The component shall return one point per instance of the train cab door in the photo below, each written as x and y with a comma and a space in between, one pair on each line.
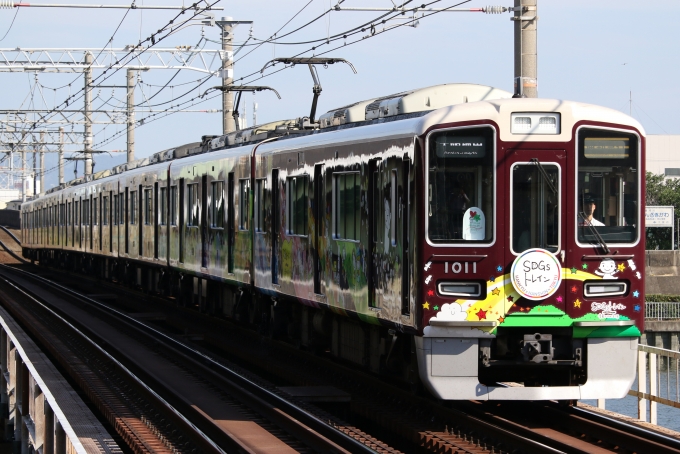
534, 227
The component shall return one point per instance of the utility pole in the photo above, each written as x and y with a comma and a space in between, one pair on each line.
131, 115
227, 27
42, 161
88, 113
35, 168
23, 168
61, 155
526, 72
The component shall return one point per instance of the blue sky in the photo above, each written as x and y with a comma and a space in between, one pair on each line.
592, 51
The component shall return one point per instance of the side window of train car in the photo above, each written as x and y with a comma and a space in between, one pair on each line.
85, 218
148, 206
173, 205
116, 211
95, 210
76, 213
192, 205
133, 207
260, 188
296, 205
217, 204
243, 203
105, 210
163, 208
346, 206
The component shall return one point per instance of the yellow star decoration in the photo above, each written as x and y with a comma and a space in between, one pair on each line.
426, 305
577, 303
495, 291
622, 267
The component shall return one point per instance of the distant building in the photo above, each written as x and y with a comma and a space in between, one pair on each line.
13, 205
663, 155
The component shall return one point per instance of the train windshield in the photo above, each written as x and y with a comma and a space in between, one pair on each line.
460, 197
608, 187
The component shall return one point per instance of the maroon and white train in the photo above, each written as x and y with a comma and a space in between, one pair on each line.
450, 235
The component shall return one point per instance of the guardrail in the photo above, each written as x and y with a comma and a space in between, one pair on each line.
662, 311
660, 377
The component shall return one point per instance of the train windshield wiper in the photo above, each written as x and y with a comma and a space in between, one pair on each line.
545, 175
595, 232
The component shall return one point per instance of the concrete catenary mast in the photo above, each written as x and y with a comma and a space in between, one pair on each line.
526, 73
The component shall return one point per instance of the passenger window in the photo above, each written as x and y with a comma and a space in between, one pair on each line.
244, 207
192, 205
297, 205
163, 201
217, 205
346, 206
260, 188
105, 210
148, 206
173, 205
133, 207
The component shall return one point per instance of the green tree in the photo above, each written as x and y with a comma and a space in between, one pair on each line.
662, 191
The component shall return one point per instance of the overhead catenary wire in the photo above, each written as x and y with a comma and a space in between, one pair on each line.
330, 50
170, 110
10, 25
134, 50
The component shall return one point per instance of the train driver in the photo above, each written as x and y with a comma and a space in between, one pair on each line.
586, 216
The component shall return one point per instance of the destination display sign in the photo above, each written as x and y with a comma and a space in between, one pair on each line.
461, 146
606, 147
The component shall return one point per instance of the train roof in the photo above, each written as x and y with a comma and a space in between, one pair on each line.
409, 112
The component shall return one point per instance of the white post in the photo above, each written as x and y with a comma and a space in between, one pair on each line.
89, 59
642, 385
227, 27
652, 387
61, 155
131, 74
600, 403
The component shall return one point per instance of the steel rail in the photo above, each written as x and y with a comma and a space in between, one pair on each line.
205, 443
248, 386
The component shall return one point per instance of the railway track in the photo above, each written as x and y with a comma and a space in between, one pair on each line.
196, 405
414, 422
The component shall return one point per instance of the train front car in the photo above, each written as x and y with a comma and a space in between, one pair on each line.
531, 278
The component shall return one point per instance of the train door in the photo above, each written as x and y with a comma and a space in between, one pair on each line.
534, 229
204, 221
275, 224
388, 236
318, 213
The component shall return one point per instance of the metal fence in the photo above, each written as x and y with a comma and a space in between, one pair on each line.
662, 311
658, 371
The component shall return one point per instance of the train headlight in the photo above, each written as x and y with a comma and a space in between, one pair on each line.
604, 288
535, 123
460, 289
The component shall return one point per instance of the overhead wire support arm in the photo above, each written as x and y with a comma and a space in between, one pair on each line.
310, 61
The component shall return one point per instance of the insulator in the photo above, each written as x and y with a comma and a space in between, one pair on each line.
489, 9
6, 4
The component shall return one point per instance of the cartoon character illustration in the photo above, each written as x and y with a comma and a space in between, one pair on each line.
607, 269
452, 311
